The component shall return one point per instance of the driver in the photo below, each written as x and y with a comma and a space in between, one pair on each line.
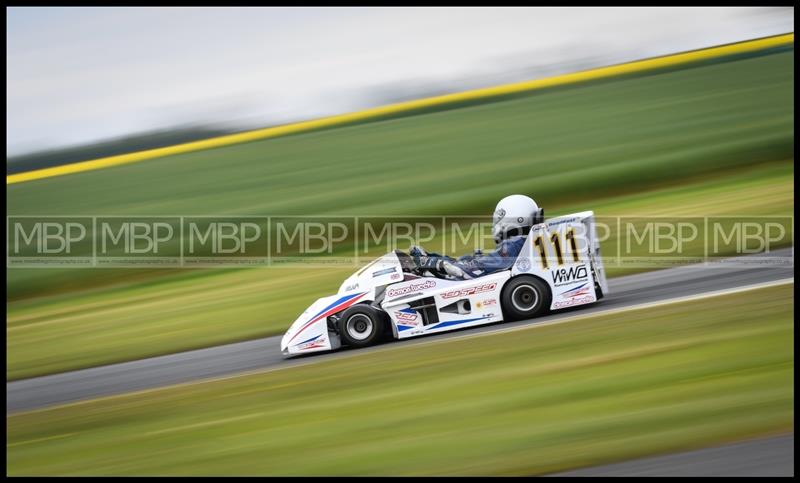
513, 218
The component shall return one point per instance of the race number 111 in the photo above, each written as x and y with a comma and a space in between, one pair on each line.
555, 240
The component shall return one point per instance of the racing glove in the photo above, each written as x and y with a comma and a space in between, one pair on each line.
418, 253
430, 263
442, 266
453, 270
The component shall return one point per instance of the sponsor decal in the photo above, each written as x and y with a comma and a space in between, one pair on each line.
395, 276
469, 290
575, 296
407, 316
523, 264
383, 272
311, 343
563, 276
559, 222
486, 303
578, 291
351, 287
408, 289
570, 303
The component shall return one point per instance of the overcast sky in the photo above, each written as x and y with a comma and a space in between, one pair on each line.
82, 74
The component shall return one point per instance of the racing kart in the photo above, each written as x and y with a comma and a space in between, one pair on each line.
559, 266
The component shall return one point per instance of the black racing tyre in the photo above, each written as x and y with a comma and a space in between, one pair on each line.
598, 292
362, 325
525, 297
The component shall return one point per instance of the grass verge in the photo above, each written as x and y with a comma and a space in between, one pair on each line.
544, 399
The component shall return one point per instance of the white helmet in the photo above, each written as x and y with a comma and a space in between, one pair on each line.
515, 215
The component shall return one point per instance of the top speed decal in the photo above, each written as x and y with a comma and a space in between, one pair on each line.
469, 290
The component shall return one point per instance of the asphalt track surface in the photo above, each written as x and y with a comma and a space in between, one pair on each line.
262, 354
758, 457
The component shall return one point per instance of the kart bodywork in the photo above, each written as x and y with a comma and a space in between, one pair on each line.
559, 266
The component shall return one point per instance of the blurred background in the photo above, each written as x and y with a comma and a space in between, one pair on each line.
710, 138
193, 72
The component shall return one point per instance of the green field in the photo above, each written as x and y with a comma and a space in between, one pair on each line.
715, 139
590, 391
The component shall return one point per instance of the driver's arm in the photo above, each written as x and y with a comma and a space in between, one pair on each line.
500, 259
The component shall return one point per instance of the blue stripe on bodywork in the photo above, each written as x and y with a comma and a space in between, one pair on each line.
455, 322
309, 340
573, 289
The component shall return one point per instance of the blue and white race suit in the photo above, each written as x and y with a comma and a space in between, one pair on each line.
501, 258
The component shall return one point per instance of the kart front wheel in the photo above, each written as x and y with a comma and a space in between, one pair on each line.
525, 297
361, 325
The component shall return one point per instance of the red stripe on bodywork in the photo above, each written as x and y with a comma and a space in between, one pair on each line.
332, 311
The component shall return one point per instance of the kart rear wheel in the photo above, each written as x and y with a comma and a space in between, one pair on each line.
525, 297
362, 325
